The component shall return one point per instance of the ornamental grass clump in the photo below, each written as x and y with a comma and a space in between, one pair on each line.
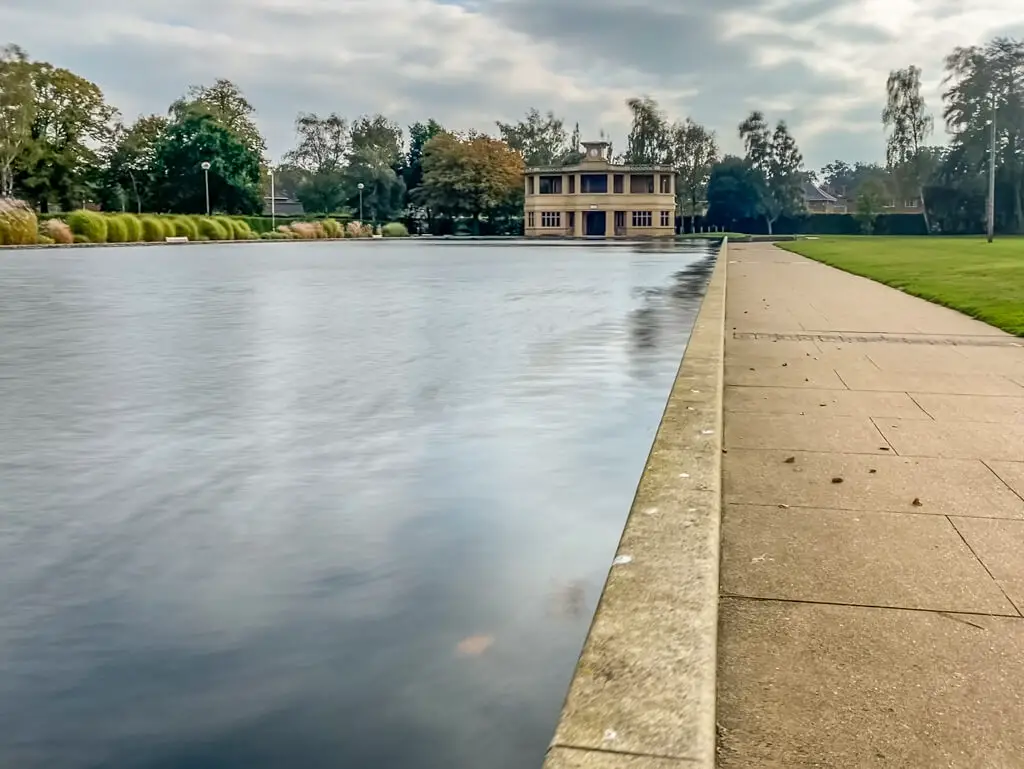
186, 227
57, 231
89, 225
18, 223
211, 229
332, 228
152, 230
117, 230
133, 226
394, 230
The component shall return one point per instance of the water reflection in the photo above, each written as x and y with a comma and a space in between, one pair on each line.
321, 505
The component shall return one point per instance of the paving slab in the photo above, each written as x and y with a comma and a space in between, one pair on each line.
839, 403
955, 440
1011, 473
1000, 546
572, 758
880, 483
970, 408
812, 375
809, 685
869, 378
803, 433
872, 559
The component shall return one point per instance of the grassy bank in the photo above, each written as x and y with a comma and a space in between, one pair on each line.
983, 280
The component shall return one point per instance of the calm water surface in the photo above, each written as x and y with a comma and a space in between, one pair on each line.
318, 505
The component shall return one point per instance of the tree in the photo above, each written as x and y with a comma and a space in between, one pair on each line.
470, 176
980, 81
736, 192
324, 143
649, 142
71, 121
870, 200
541, 140
573, 153
777, 158
17, 112
378, 136
693, 153
129, 162
757, 141
908, 122
179, 179
225, 103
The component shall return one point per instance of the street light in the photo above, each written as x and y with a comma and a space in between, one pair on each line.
273, 203
361, 186
991, 204
206, 174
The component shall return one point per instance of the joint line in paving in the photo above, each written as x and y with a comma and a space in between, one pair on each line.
809, 602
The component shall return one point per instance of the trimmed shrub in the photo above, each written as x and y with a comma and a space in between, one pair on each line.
211, 229
332, 229
57, 231
117, 230
241, 229
88, 224
82, 239
394, 230
152, 229
44, 240
274, 236
185, 227
133, 226
226, 224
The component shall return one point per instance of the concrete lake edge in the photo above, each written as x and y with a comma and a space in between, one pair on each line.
644, 691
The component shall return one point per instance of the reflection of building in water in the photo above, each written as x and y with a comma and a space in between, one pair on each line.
599, 198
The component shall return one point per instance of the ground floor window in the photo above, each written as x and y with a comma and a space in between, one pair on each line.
665, 221
531, 220
642, 219
572, 220
550, 218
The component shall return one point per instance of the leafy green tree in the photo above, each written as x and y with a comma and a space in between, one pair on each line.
227, 105
908, 122
179, 179
694, 152
649, 141
324, 143
736, 193
541, 140
870, 200
378, 137
777, 158
129, 160
71, 121
17, 112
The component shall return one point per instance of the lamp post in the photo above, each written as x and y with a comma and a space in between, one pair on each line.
273, 203
361, 186
991, 203
206, 176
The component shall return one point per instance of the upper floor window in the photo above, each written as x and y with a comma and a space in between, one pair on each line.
572, 184
529, 182
666, 184
617, 181
593, 183
551, 185
642, 218
641, 183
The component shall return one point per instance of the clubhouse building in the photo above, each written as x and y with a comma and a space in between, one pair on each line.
597, 198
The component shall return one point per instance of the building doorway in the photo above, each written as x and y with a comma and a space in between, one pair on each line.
620, 222
594, 223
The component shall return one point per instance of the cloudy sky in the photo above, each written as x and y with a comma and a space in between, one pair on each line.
820, 64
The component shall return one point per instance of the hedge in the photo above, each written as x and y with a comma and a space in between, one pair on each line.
828, 224
152, 229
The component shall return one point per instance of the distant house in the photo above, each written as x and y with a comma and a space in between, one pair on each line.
820, 202
282, 206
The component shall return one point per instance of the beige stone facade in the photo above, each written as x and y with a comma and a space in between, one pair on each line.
597, 198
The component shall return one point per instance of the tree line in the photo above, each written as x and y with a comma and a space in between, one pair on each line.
62, 144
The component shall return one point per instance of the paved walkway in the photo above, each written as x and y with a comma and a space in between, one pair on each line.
873, 531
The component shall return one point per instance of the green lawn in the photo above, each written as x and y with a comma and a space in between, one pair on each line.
983, 280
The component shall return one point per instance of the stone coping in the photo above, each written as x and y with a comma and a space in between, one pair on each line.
644, 687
